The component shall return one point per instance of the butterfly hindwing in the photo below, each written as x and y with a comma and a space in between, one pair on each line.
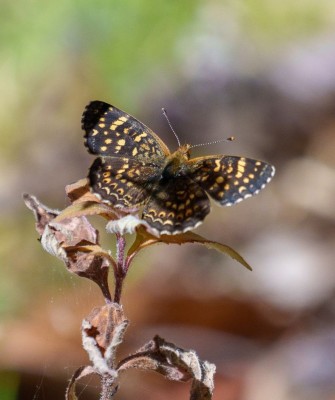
176, 205
121, 182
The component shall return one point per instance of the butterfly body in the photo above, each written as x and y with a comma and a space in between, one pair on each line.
134, 167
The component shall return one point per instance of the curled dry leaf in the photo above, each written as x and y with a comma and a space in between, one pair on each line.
86, 203
91, 266
43, 215
202, 387
175, 364
103, 331
145, 239
79, 374
109, 384
80, 191
74, 240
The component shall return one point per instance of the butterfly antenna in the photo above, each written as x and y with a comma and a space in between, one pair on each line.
167, 118
229, 139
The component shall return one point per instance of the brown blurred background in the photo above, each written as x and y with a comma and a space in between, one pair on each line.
260, 70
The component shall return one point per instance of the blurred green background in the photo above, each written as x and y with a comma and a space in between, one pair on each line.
260, 70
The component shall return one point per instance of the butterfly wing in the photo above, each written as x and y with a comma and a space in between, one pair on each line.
122, 182
230, 179
176, 206
112, 132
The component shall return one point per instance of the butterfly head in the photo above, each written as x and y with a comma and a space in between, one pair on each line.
184, 152
181, 155
176, 162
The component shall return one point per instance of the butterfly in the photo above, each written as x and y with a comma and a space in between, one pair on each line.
135, 168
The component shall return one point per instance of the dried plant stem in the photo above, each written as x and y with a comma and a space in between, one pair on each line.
108, 387
70, 236
120, 271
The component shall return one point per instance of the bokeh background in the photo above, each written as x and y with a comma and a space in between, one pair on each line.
261, 70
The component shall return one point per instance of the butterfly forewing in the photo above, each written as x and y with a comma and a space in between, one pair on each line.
230, 179
111, 132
